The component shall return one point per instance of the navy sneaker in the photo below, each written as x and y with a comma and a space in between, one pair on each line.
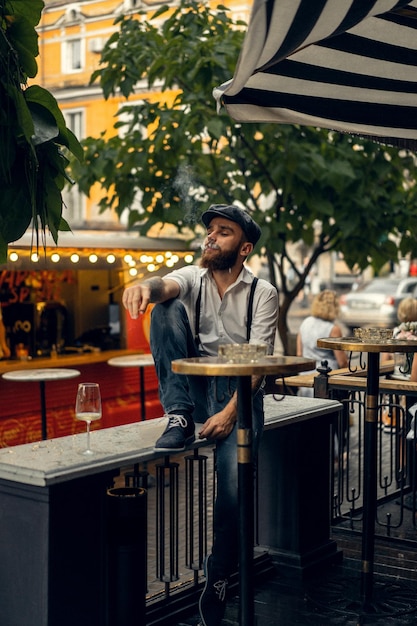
177, 435
212, 604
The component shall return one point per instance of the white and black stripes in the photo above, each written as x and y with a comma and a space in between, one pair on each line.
349, 66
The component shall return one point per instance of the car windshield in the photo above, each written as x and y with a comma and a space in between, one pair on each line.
380, 286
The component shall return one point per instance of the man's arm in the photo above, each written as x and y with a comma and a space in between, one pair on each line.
340, 355
265, 316
137, 297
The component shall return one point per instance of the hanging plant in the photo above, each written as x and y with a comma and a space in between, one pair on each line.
33, 134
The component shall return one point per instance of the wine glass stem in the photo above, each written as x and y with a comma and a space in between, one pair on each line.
88, 434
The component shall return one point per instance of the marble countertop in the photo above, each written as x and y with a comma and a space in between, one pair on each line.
132, 360
285, 409
44, 374
52, 461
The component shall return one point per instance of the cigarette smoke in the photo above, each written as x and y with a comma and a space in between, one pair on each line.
190, 192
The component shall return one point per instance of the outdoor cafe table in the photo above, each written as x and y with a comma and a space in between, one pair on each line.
373, 350
136, 360
215, 366
41, 376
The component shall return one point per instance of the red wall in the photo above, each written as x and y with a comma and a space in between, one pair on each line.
20, 402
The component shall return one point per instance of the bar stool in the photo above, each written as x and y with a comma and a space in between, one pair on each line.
139, 478
41, 376
136, 360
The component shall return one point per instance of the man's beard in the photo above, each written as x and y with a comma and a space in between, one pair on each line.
222, 261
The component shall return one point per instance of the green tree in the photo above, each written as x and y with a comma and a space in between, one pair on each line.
32, 133
178, 154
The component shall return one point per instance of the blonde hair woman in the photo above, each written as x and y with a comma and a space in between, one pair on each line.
407, 311
321, 323
407, 316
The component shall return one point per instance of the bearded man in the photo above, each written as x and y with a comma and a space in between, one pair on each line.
199, 308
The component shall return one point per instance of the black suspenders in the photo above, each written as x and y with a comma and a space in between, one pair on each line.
250, 309
249, 315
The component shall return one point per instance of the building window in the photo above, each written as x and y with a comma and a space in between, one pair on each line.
75, 122
74, 200
72, 55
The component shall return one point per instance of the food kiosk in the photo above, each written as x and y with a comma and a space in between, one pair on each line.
62, 308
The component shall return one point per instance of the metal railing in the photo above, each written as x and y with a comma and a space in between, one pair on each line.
181, 491
396, 462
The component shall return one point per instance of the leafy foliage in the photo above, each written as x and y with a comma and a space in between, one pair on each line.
32, 132
177, 154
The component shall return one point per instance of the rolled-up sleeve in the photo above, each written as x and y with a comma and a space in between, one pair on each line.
265, 315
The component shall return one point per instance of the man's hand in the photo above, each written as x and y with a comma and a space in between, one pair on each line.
136, 299
219, 426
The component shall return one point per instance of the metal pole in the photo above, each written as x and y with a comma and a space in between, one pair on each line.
370, 478
246, 500
142, 393
43, 410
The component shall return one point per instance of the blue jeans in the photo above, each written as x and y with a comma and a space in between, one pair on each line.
171, 338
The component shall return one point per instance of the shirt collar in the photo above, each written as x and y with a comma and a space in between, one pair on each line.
246, 275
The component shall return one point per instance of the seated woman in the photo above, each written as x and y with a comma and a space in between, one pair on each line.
321, 323
407, 329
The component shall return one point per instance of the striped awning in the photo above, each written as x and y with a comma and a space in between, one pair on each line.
347, 65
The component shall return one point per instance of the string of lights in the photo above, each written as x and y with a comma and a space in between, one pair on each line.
133, 260
136, 256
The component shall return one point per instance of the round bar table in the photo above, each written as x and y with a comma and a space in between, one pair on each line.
136, 360
215, 366
373, 350
41, 376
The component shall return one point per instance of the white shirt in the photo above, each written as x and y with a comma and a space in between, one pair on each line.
311, 329
223, 320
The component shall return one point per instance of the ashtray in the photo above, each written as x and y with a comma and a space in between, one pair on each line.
242, 352
373, 335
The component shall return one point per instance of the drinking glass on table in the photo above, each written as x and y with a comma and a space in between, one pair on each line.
88, 407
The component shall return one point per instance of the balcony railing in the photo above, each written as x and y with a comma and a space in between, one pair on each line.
396, 461
396, 454
66, 499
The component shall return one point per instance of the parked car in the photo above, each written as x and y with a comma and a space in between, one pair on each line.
375, 303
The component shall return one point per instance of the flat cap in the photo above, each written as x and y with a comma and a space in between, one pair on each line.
234, 214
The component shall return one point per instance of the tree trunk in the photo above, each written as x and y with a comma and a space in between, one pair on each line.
283, 323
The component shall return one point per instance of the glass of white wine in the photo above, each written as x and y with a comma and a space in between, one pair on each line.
88, 407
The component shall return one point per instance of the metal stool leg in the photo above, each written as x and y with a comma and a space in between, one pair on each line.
196, 514
43, 410
167, 522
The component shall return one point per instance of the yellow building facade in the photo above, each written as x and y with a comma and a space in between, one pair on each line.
71, 38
